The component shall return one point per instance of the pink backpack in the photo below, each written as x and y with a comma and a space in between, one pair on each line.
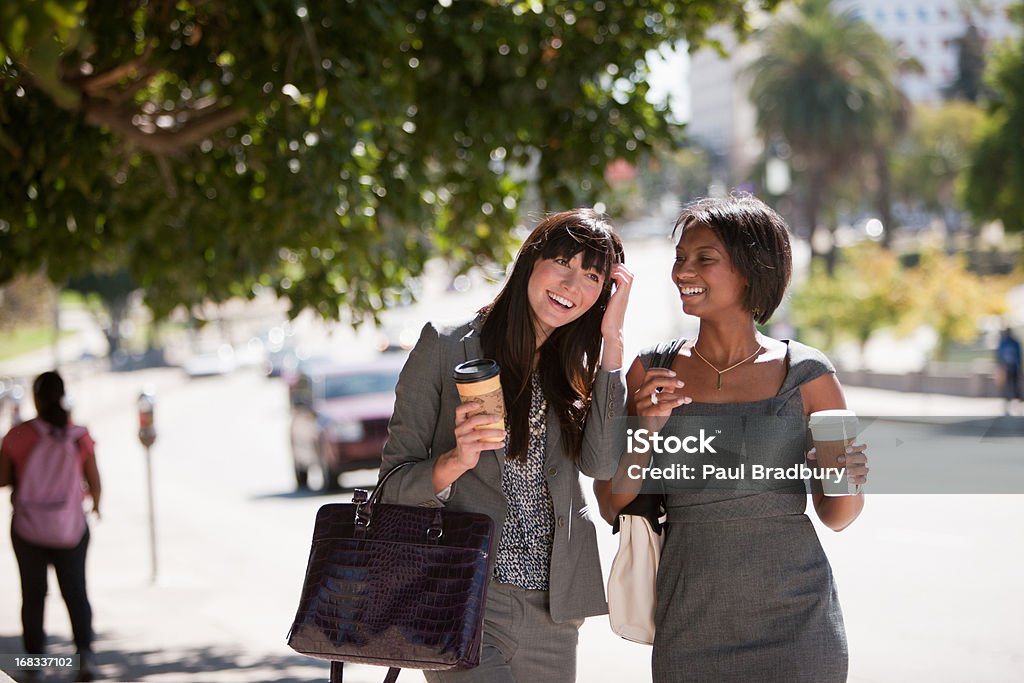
48, 500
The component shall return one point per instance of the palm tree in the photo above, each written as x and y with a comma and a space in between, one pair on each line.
824, 83
887, 136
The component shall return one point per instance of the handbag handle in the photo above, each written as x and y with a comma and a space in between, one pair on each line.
337, 673
380, 485
365, 503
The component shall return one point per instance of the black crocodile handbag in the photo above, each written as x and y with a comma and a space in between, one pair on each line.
394, 585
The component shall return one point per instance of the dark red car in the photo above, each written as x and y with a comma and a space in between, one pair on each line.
340, 417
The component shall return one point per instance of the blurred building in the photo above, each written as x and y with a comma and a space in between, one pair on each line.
723, 120
930, 31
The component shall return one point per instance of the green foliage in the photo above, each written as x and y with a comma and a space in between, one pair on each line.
871, 290
994, 183
107, 295
951, 299
26, 338
867, 292
814, 307
823, 82
932, 159
26, 300
825, 85
326, 151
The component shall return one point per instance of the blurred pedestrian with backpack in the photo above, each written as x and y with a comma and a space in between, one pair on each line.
47, 459
1008, 357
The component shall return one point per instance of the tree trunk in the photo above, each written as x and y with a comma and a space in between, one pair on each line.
813, 209
884, 197
116, 310
831, 256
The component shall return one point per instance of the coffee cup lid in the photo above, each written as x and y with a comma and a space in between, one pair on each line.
830, 425
475, 370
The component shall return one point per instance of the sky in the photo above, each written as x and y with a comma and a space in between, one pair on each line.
669, 79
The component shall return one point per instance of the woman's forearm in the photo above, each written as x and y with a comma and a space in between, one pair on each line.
447, 470
612, 353
838, 512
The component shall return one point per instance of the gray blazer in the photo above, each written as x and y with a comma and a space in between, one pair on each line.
422, 428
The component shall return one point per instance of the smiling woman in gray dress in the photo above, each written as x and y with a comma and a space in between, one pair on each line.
744, 591
556, 331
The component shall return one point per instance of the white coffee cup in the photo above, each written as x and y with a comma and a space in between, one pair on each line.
832, 431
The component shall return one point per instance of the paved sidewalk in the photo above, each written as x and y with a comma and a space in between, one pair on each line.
234, 538
882, 402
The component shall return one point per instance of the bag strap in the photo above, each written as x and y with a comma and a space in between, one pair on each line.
383, 480
665, 358
365, 502
337, 672
649, 505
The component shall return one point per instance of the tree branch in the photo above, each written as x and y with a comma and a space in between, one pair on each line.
8, 143
314, 52
165, 171
94, 84
144, 77
160, 142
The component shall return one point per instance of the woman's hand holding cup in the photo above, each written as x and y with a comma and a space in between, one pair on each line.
855, 460
834, 432
471, 430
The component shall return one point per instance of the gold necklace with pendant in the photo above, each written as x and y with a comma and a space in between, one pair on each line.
718, 384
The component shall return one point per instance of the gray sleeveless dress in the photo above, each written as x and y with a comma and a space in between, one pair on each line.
745, 592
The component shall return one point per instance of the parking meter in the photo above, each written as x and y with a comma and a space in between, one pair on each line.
147, 435
147, 430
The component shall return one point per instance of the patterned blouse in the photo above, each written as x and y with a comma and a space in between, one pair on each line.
524, 553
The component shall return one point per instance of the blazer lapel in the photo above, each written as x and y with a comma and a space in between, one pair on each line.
471, 340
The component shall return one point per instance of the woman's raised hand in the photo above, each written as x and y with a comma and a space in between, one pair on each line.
615, 311
615, 317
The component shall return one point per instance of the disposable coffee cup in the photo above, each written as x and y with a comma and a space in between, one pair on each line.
832, 431
479, 381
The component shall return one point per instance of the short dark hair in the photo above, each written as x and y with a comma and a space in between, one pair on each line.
757, 239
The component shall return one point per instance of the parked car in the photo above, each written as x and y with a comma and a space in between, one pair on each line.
340, 417
211, 361
281, 361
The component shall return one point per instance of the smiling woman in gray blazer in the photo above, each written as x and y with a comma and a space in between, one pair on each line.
555, 329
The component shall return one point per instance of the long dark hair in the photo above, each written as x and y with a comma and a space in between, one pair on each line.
48, 390
569, 356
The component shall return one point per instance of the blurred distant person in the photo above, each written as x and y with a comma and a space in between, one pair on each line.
47, 459
1008, 357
